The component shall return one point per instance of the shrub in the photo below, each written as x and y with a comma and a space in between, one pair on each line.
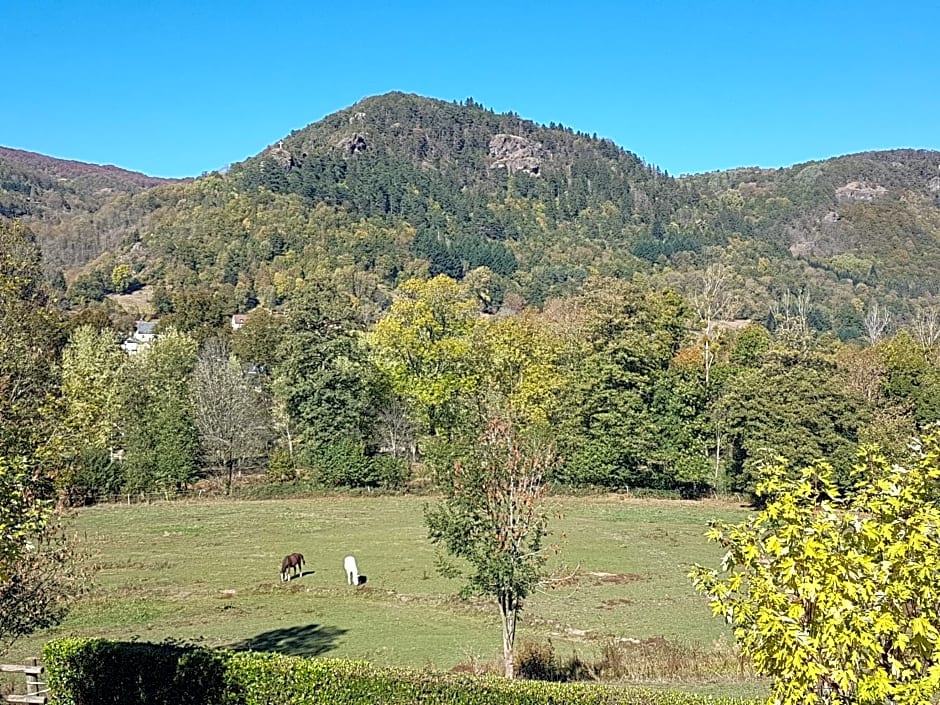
281, 466
538, 661
345, 463
646, 661
97, 475
102, 672
86, 671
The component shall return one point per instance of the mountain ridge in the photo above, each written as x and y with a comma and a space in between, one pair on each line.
400, 185
73, 168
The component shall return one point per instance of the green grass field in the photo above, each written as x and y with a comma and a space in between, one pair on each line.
207, 572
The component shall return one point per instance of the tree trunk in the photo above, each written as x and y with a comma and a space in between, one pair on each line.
509, 636
717, 458
230, 474
290, 444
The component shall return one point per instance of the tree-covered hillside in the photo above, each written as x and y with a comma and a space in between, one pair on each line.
872, 218
400, 185
78, 210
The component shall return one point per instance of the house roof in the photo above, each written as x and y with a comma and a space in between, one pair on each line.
146, 327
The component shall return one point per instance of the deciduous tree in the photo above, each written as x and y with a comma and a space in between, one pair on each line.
39, 574
424, 345
30, 341
92, 378
629, 338
159, 437
835, 597
230, 410
324, 382
493, 517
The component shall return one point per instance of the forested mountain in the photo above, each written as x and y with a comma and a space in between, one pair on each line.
410, 268
399, 185
77, 209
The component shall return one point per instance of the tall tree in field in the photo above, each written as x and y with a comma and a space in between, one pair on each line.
493, 516
92, 379
324, 382
793, 405
517, 361
628, 339
712, 301
836, 598
230, 410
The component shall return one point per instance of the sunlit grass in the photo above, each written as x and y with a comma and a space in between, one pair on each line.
208, 573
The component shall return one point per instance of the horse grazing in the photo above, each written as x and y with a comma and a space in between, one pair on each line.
291, 564
352, 570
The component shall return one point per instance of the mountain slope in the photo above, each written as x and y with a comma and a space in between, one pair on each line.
873, 217
72, 206
399, 185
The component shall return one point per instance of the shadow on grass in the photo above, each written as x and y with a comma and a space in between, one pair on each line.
309, 640
304, 574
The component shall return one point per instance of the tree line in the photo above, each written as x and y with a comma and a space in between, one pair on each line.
639, 387
618, 386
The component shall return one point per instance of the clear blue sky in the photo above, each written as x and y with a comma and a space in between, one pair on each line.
176, 88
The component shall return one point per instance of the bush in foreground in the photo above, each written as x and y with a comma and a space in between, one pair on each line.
84, 671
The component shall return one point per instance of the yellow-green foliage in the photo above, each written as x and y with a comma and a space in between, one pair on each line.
103, 672
518, 359
424, 345
24, 516
837, 598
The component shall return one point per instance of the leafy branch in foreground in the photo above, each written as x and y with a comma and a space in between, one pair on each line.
40, 573
837, 599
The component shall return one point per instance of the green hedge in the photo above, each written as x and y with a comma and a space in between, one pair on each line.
100, 672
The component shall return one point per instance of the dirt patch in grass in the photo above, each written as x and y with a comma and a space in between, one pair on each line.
595, 578
611, 604
137, 303
615, 578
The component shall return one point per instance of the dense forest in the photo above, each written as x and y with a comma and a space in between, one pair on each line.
410, 268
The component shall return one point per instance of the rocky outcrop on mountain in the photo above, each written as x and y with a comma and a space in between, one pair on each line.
516, 153
353, 144
858, 191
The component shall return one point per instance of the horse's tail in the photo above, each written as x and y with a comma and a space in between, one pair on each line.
300, 559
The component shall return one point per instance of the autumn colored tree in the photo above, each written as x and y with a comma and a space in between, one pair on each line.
493, 517
835, 596
518, 365
424, 344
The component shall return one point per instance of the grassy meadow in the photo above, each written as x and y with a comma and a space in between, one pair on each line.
207, 572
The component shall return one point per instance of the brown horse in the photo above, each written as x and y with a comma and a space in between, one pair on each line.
292, 563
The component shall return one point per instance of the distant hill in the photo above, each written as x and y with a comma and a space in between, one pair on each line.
94, 175
399, 184
59, 199
872, 218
